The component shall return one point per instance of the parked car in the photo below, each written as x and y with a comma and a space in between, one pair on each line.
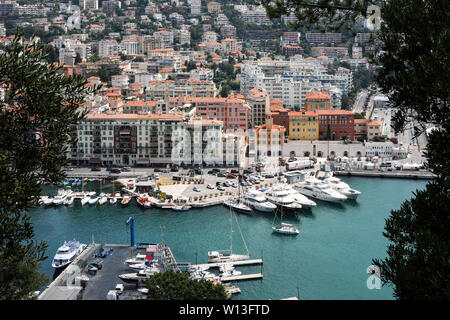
96, 169
234, 171
220, 188
210, 186
248, 171
114, 170
126, 169
197, 189
221, 174
231, 176
227, 184
157, 170
68, 169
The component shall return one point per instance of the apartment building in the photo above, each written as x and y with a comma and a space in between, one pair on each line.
130, 46
165, 89
258, 101
336, 125
334, 52
303, 125
108, 47
89, 4
267, 139
291, 80
258, 16
213, 7
319, 37
151, 140
232, 112
317, 101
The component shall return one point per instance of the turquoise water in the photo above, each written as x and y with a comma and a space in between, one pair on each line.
328, 260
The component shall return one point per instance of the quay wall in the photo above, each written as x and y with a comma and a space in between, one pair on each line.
387, 174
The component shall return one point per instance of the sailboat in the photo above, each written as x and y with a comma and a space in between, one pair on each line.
284, 228
228, 255
238, 204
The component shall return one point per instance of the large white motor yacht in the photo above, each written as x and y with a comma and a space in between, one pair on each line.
317, 189
282, 198
342, 187
256, 200
67, 253
300, 198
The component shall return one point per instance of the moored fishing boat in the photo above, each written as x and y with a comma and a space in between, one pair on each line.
144, 202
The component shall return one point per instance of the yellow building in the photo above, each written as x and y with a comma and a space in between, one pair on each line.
303, 125
317, 101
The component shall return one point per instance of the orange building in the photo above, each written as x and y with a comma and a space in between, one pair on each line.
317, 101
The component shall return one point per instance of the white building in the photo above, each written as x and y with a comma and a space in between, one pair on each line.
107, 48
89, 4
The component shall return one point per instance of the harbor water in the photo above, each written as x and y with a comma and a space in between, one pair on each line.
327, 260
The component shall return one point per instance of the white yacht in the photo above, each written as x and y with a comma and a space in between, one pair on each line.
256, 200
48, 200
282, 198
342, 187
140, 276
317, 189
69, 199
67, 253
300, 198
225, 256
227, 270
85, 200
60, 197
286, 228
237, 205
138, 259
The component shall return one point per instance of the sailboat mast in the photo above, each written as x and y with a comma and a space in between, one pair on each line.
231, 231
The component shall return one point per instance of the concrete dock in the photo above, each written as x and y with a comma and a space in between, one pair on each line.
425, 175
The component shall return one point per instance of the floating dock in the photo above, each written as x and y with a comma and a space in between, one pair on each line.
230, 263
242, 277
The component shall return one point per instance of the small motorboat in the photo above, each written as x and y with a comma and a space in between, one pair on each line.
49, 200
84, 200
102, 199
144, 202
112, 198
181, 208
69, 200
93, 200
125, 200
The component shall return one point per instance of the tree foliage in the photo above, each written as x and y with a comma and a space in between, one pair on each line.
171, 285
36, 113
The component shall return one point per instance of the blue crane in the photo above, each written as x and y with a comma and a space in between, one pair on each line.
130, 222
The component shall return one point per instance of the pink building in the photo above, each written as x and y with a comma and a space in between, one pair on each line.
232, 112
